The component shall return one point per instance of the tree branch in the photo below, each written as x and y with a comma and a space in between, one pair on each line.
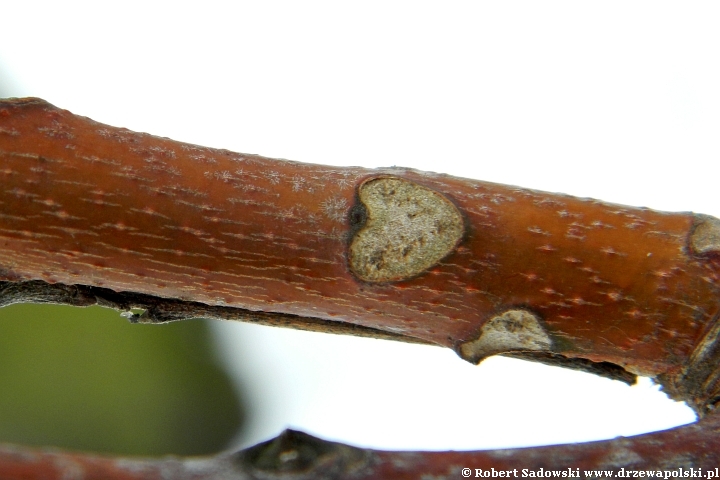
92, 214
298, 456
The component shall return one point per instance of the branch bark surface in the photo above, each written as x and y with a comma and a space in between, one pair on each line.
96, 214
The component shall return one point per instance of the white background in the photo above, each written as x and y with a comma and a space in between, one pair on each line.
612, 100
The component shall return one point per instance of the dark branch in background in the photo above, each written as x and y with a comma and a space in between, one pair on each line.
298, 456
163, 310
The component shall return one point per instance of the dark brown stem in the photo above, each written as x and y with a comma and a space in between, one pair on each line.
298, 456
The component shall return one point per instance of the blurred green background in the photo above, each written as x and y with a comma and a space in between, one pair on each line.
87, 379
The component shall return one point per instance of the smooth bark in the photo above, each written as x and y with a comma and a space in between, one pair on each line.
93, 214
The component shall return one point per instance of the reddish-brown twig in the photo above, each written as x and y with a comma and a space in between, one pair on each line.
96, 214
